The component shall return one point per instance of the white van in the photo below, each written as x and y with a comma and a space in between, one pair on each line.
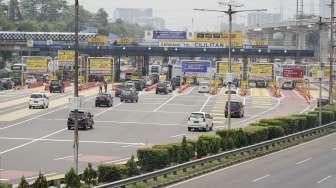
200, 121
38, 100
203, 87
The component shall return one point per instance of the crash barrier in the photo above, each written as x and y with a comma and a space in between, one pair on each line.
304, 93
183, 88
35, 85
87, 86
150, 88
66, 84
221, 160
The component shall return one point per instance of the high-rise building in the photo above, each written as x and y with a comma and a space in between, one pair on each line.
324, 6
143, 17
259, 18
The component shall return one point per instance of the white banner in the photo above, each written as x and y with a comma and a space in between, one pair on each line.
179, 44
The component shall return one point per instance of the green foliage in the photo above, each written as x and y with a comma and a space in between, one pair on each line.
150, 159
201, 148
40, 182
132, 167
255, 134
71, 179
5, 185
173, 151
275, 132
23, 183
213, 143
89, 175
110, 173
187, 150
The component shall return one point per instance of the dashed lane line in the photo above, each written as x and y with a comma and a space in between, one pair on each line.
303, 161
324, 179
261, 178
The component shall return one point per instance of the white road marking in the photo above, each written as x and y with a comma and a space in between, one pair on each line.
118, 161
303, 161
190, 90
4, 179
163, 104
31, 142
179, 135
324, 179
66, 157
261, 178
269, 156
50, 174
205, 103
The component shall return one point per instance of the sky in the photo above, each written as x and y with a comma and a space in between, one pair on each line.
179, 14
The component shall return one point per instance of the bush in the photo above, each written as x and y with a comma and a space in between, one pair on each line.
132, 167
71, 179
213, 143
240, 139
255, 134
276, 122
89, 175
302, 122
227, 143
23, 183
150, 159
201, 148
173, 151
187, 150
40, 182
275, 132
327, 116
110, 173
5, 185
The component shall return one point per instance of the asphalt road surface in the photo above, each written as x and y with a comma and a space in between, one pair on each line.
309, 165
34, 140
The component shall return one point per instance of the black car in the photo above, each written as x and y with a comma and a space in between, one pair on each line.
104, 99
85, 120
7, 83
129, 95
176, 81
236, 109
162, 88
56, 86
118, 90
139, 86
261, 83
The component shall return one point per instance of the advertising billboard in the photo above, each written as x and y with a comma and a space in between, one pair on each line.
314, 71
169, 35
223, 67
36, 64
261, 71
195, 66
66, 55
293, 72
102, 65
223, 37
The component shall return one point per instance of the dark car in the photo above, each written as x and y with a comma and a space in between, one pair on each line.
324, 102
261, 83
177, 81
138, 85
85, 120
56, 86
118, 90
162, 88
155, 78
288, 85
236, 109
129, 95
7, 83
104, 99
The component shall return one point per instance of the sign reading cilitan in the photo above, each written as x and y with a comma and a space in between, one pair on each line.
101, 65
262, 69
36, 64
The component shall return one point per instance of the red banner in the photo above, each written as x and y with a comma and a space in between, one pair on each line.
293, 73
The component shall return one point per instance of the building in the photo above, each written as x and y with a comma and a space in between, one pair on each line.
143, 17
259, 18
324, 8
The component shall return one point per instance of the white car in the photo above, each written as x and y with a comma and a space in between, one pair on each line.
200, 121
30, 80
38, 100
203, 87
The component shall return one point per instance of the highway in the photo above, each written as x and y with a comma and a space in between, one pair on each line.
34, 140
309, 165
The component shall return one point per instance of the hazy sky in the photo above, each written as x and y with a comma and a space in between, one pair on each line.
178, 14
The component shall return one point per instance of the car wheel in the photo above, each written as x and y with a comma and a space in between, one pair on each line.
96, 105
69, 127
85, 126
189, 129
30, 107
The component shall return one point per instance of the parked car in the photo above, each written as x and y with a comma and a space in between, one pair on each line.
7, 83
200, 121
38, 100
288, 85
85, 120
105, 99
161, 88
56, 86
203, 87
236, 109
129, 95
30, 79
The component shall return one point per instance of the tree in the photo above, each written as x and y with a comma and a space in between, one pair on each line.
40, 182
71, 179
132, 167
23, 183
89, 175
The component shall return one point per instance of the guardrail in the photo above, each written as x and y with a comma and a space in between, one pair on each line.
288, 140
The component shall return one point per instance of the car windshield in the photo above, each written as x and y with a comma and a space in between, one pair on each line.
36, 96
79, 113
231, 92
54, 82
196, 115
162, 84
234, 105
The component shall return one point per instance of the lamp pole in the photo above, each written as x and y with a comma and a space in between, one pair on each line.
331, 60
76, 136
230, 12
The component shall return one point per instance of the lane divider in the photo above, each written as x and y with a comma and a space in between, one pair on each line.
183, 88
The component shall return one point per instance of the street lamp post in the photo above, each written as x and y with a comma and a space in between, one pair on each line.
230, 12
331, 60
76, 136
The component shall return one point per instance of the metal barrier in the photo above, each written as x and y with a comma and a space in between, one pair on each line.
298, 137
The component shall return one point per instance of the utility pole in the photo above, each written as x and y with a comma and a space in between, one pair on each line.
320, 75
230, 12
76, 136
331, 60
